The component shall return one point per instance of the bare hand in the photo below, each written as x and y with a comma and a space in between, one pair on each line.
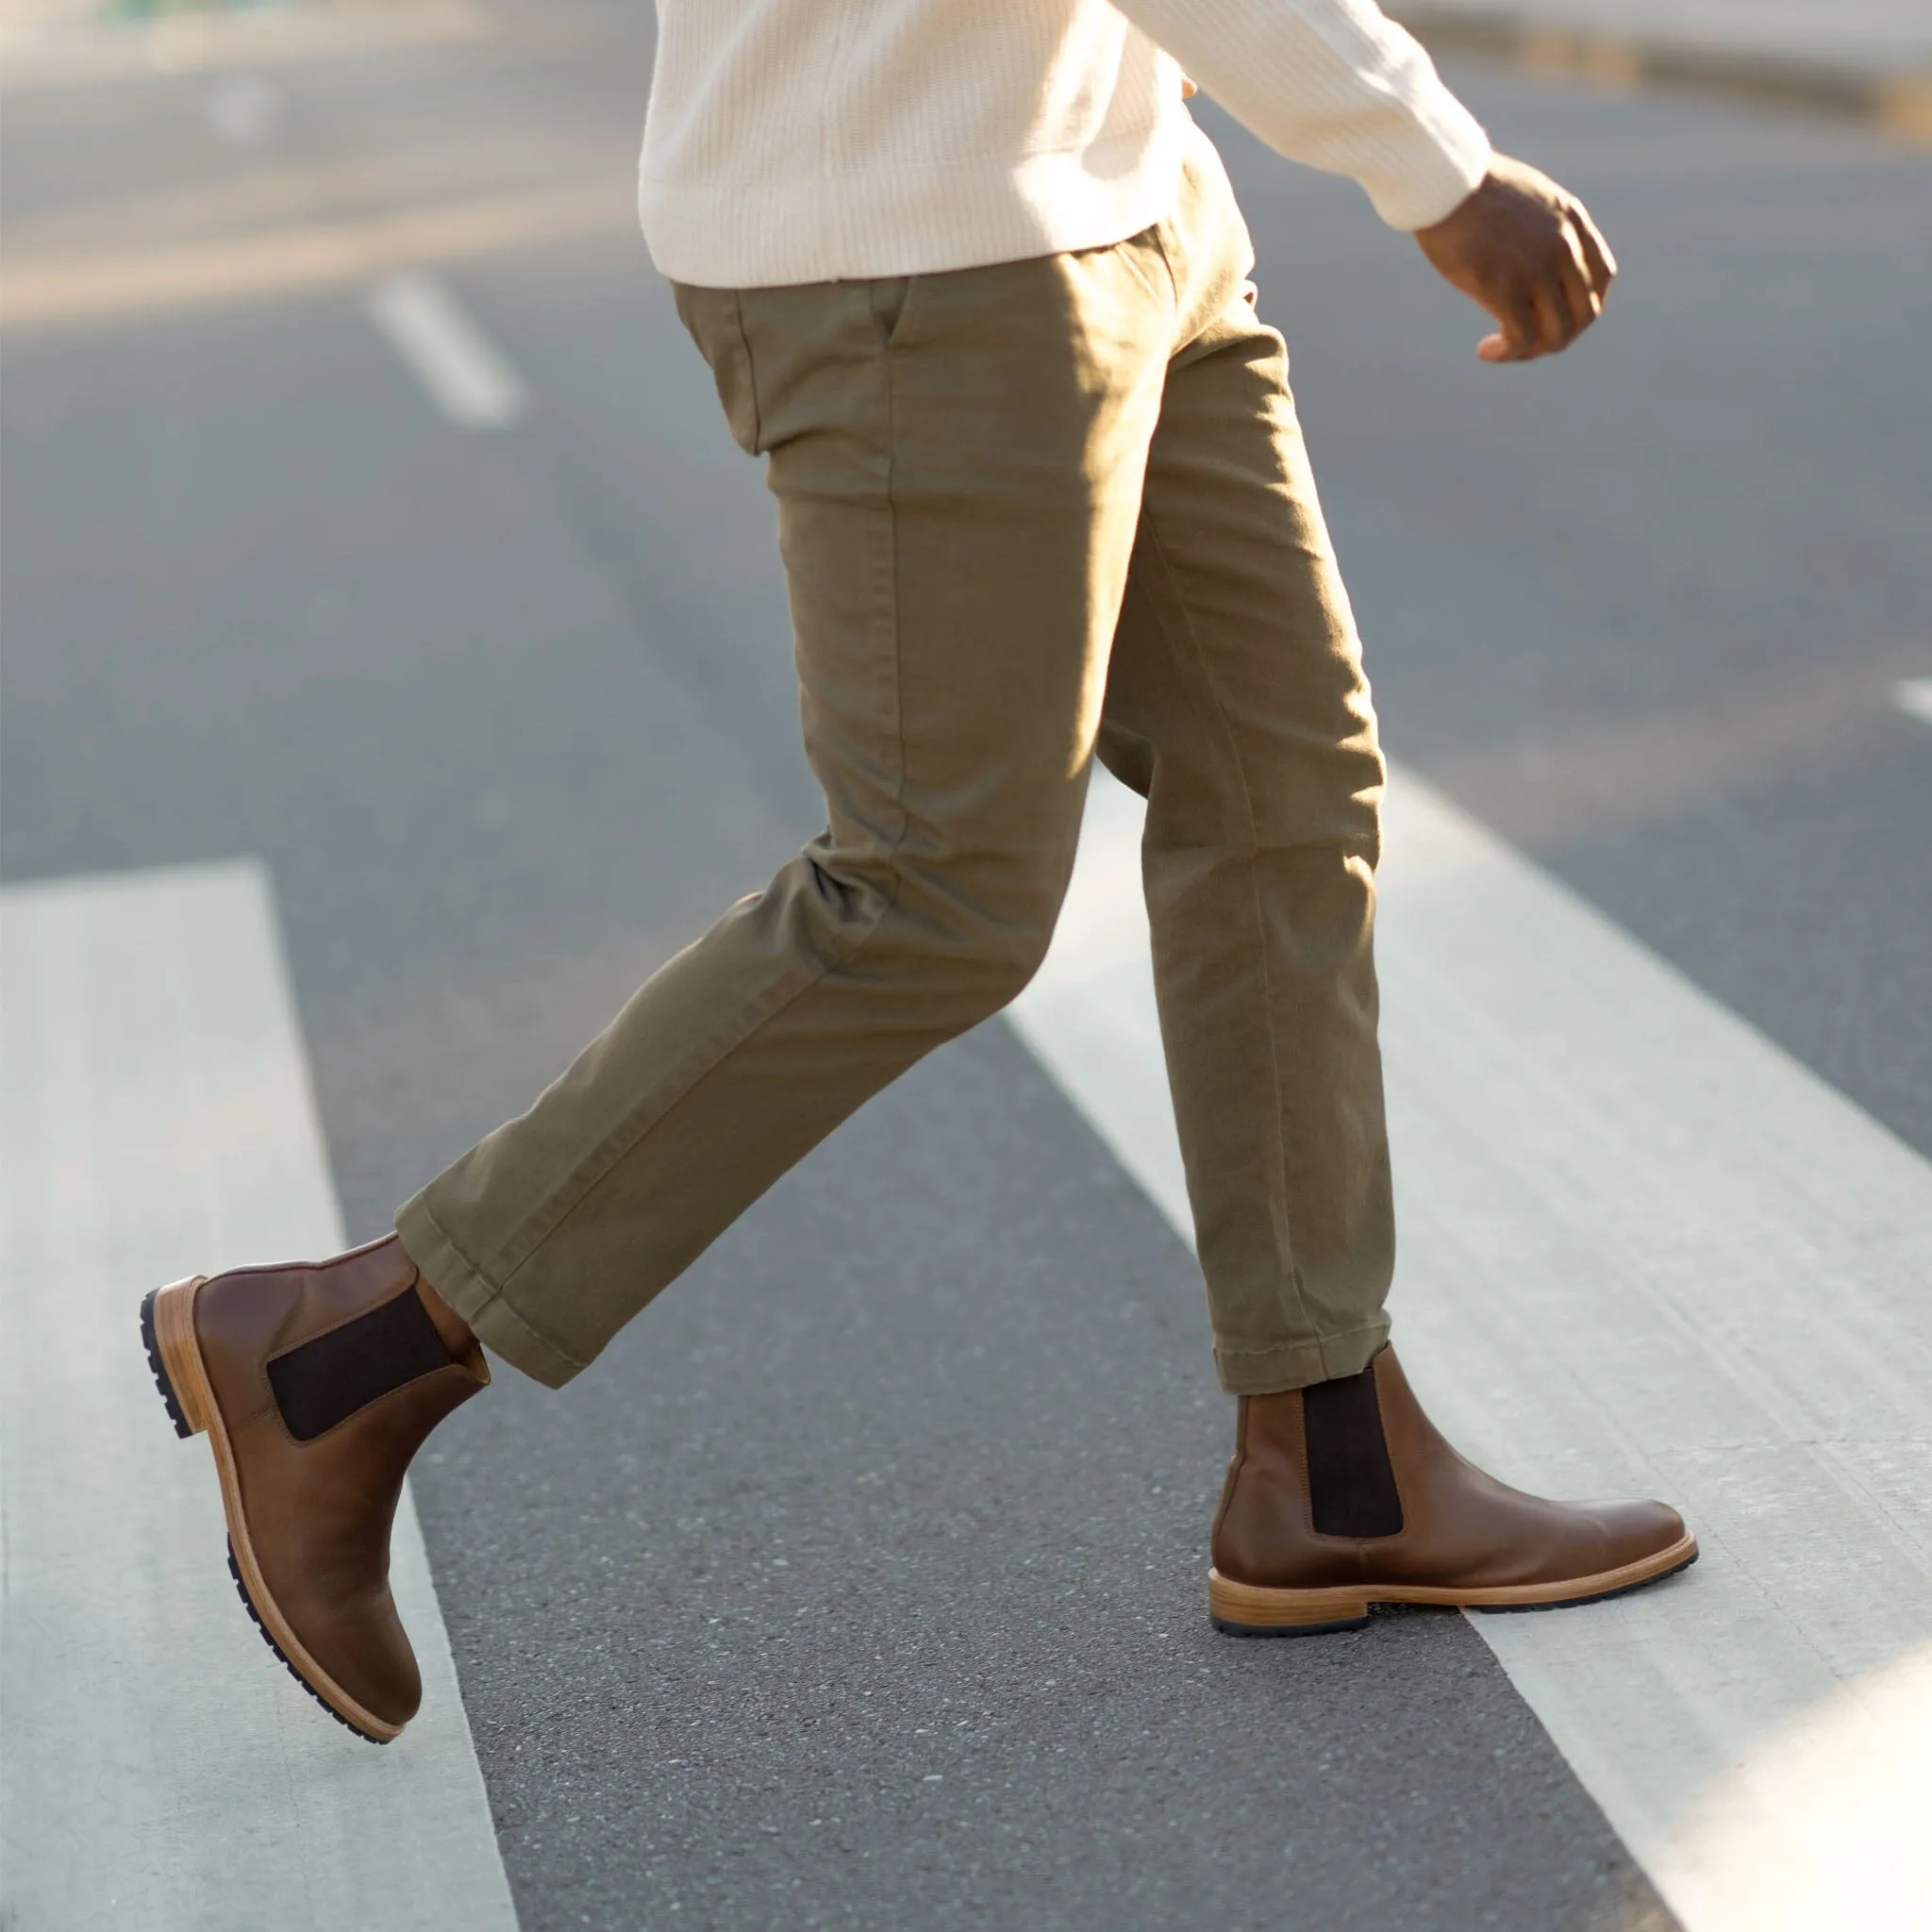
1527, 251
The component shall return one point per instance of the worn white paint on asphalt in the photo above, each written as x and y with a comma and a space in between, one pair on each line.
159, 1768
446, 351
1914, 695
1644, 1251
247, 109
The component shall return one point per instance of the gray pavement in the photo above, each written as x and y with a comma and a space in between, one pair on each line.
1875, 36
860, 1584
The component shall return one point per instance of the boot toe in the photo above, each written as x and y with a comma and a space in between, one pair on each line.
370, 1658
1634, 1532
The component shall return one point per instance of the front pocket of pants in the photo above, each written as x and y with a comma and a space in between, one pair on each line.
715, 318
891, 303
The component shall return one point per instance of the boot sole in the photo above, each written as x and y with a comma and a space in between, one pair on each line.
1247, 1610
174, 1352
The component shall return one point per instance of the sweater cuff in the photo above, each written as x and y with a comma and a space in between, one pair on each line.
1417, 181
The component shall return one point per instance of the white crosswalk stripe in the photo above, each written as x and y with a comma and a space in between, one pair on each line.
159, 1768
1644, 1251
464, 373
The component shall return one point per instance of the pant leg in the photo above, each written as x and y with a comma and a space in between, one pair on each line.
957, 460
1237, 704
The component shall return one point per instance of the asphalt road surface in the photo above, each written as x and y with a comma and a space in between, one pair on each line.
860, 1584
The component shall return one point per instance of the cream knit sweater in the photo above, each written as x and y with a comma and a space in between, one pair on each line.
805, 141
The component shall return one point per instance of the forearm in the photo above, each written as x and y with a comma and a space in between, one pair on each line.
1333, 84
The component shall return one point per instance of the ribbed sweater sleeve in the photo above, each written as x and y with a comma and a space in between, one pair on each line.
1334, 84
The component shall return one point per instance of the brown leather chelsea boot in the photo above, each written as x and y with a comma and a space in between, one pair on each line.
1343, 1494
316, 1386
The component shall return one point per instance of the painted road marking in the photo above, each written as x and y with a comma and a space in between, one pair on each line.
1914, 695
245, 108
61, 289
157, 1766
1643, 1253
446, 351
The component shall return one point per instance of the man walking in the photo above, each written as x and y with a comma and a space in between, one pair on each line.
975, 286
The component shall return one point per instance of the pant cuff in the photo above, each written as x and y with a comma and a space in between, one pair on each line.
1297, 1364
484, 1306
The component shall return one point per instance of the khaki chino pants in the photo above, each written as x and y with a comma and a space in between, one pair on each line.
1026, 511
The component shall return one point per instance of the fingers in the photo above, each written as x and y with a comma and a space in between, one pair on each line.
1552, 313
1528, 252
1600, 264
1582, 300
1592, 268
1556, 298
1522, 323
1534, 315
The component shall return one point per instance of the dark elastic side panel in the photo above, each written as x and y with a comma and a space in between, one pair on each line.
326, 1381
1351, 1486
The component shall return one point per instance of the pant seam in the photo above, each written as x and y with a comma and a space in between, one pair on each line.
501, 1303
1158, 231
751, 374
497, 1300
1235, 1365
1278, 1173
1287, 1347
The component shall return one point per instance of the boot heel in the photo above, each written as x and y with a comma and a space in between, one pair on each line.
167, 1330
1247, 1609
